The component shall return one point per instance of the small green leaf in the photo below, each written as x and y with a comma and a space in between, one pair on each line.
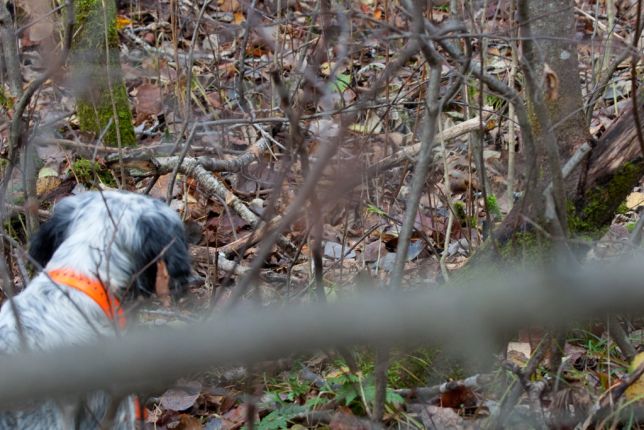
342, 82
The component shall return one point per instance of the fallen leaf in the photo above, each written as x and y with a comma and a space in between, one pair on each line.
234, 418
147, 102
122, 22
47, 180
519, 352
458, 398
435, 417
635, 200
334, 250
238, 17
188, 422
346, 421
181, 397
636, 390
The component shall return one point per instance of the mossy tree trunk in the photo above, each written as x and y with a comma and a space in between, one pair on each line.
614, 167
601, 182
102, 103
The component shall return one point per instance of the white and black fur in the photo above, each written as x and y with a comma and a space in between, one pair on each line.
115, 237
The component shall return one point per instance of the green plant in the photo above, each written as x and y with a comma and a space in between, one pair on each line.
15, 227
375, 210
279, 418
493, 207
6, 102
488, 99
406, 368
603, 201
285, 395
296, 388
356, 391
494, 101
342, 82
460, 213
88, 172
597, 346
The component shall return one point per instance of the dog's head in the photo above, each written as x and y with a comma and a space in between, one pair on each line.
118, 237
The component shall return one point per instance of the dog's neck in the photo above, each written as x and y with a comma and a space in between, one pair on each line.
93, 288
89, 256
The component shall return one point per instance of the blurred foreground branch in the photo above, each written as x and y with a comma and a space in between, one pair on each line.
463, 320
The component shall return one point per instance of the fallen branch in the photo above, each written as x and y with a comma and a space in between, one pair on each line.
474, 382
248, 239
237, 163
208, 255
213, 187
464, 320
412, 151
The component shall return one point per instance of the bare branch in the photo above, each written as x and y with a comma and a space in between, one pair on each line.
465, 319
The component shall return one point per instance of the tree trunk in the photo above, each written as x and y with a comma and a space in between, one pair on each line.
601, 182
102, 103
614, 167
557, 125
553, 25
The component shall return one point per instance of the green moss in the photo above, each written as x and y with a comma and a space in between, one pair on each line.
6, 102
3, 164
461, 214
459, 211
622, 209
578, 225
97, 70
91, 19
525, 247
95, 115
89, 172
596, 210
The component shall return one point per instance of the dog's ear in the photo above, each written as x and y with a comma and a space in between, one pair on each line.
52, 233
162, 234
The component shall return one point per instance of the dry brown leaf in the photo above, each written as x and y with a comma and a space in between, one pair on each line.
345, 420
188, 422
228, 5
47, 180
519, 352
162, 284
182, 397
147, 102
458, 398
435, 417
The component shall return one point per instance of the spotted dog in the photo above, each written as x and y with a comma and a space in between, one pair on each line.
99, 251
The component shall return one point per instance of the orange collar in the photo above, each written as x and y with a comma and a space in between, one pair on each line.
94, 289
